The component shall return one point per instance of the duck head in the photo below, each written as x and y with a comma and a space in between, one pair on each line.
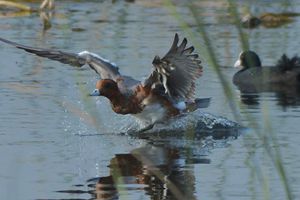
107, 88
250, 21
248, 59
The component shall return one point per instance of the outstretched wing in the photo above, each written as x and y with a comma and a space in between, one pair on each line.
102, 66
176, 71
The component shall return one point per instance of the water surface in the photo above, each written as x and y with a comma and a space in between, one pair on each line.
59, 143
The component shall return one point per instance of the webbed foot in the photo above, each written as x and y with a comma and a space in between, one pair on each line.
146, 128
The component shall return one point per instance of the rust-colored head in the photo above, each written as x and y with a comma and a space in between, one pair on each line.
106, 87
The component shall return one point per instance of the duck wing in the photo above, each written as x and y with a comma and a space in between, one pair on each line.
176, 71
103, 67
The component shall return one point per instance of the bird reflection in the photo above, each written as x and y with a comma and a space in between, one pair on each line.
289, 98
284, 95
159, 171
162, 169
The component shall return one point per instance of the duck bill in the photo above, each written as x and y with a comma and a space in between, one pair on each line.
96, 92
238, 63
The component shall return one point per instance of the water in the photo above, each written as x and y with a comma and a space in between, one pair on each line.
59, 143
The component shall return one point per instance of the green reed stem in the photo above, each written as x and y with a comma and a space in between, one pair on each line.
273, 153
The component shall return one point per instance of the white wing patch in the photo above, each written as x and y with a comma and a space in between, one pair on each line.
87, 53
164, 77
180, 105
152, 113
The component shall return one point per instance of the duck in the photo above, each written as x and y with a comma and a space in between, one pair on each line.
286, 71
167, 92
268, 20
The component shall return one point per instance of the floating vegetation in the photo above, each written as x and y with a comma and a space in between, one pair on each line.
77, 29
268, 20
46, 5
14, 5
16, 9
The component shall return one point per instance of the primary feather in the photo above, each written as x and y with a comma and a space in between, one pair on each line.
177, 70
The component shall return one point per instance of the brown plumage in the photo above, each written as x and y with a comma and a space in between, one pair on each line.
168, 91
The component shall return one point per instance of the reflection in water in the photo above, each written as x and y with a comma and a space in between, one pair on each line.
291, 98
46, 18
162, 169
156, 170
285, 95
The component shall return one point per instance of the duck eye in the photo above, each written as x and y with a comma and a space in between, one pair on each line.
107, 86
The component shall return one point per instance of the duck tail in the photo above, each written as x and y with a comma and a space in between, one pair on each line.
285, 63
197, 103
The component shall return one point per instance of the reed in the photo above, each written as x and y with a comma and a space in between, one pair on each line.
267, 136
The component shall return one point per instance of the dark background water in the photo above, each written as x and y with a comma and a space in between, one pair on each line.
55, 138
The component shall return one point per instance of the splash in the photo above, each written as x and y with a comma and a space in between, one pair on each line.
199, 123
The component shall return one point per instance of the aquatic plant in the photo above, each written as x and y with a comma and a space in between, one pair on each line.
266, 136
20, 9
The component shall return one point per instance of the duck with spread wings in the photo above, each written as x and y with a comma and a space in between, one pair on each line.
168, 91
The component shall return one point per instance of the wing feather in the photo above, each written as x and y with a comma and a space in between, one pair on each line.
177, 70
100, 65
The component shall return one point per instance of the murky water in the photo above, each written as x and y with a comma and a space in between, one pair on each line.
59, 143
